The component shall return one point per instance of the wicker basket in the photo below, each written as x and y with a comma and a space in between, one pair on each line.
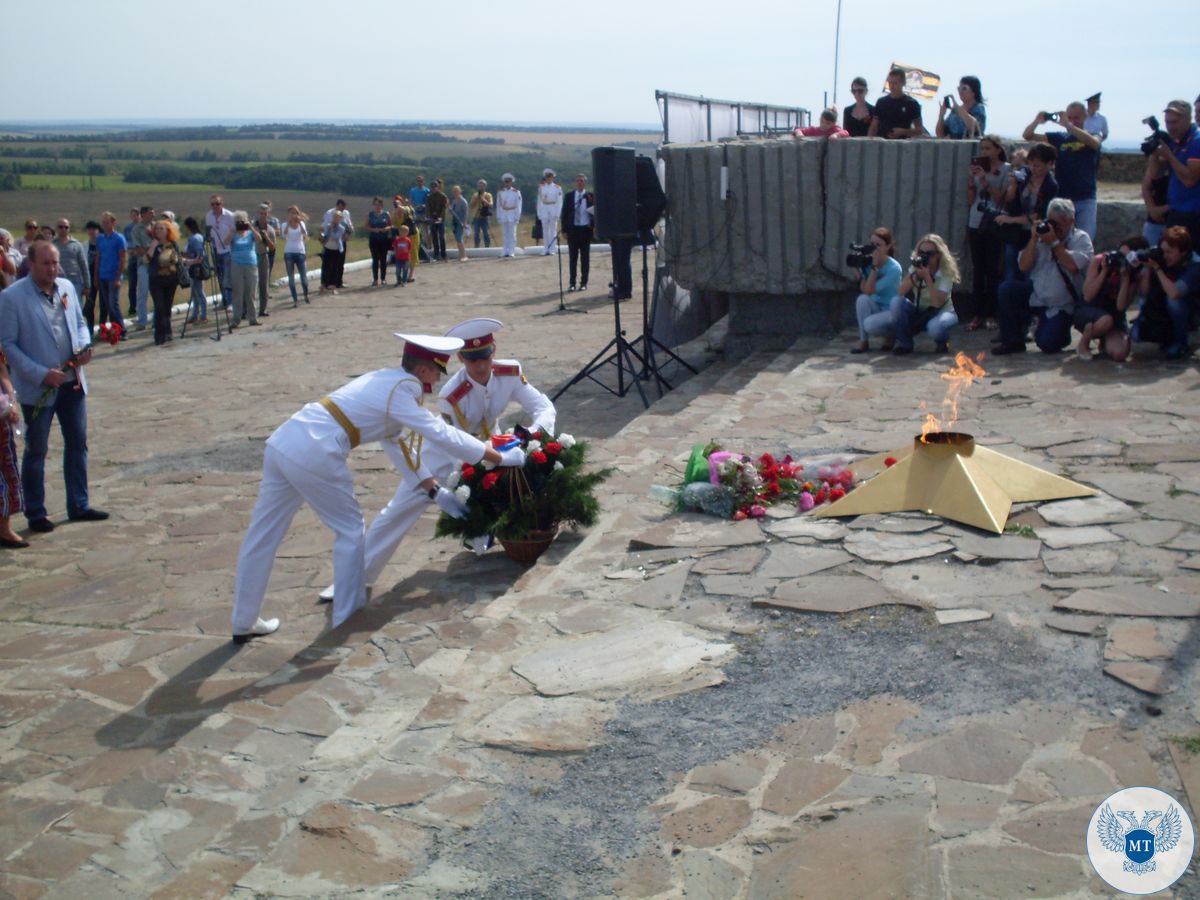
527, 551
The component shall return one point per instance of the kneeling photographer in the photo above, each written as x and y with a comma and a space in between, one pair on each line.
1054, 258
878, 283
924, 301
1170, 284
1108, 291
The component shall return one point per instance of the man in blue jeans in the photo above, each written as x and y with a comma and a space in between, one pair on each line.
1055, 259
47, 371
111, 253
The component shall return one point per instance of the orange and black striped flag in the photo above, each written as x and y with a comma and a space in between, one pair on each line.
920, 84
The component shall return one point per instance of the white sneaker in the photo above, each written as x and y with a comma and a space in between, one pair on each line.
258, 629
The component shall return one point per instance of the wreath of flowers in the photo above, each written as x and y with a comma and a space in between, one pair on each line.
551, 489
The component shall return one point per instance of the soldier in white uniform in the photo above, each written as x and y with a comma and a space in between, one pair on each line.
508, 213
473, 400
305, 462
550, 201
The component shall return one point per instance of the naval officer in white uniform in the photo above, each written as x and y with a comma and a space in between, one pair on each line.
550, 202
305, 461
473, 399
508, 213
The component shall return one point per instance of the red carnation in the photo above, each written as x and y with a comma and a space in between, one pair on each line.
846, 477
554, 448
489, 480
468, 470
820, 496
836, 494
538, 456
890, 461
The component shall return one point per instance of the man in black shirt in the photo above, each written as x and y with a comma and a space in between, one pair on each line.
896, 114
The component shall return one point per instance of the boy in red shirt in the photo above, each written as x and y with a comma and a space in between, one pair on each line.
401, 248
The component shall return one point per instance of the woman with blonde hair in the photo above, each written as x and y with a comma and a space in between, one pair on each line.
925, 296
163, 267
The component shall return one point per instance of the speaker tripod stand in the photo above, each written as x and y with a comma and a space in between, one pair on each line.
649, 341
621, 353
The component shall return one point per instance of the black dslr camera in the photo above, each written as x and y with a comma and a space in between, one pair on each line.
921, 260
1154, 254
1042, 228
1115, 260
859, 256
1050, 117
1152, 143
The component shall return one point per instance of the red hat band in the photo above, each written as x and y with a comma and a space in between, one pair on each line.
438, 359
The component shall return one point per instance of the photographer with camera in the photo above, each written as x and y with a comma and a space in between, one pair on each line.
1170, 284
1078, 156
924, 296
1027, 195
879, 283
965, 117
1108, 289
1181, 156
987, 182
1054, 259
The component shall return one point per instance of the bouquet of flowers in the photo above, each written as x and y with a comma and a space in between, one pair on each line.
738, 486
552, 488
110, 333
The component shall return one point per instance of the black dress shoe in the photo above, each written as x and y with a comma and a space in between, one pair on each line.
901, 350
42, 525
88, 515
13, 545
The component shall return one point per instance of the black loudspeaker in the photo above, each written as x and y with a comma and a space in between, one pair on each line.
651, 201
614, 171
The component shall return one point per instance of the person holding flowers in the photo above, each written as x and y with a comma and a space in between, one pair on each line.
473, 400
305, 461
45, 337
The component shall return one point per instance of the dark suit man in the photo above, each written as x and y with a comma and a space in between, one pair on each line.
577, 221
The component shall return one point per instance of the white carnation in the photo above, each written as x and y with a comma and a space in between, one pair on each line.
534, 447
454, 479
463, 493
557, 465
566, 440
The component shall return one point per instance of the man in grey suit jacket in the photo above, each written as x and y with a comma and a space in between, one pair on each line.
47, 343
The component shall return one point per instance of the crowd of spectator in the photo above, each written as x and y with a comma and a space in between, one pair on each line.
1031, 228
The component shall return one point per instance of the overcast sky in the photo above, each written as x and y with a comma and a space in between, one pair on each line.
516, 62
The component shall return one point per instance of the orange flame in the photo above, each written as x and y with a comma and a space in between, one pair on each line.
960, 376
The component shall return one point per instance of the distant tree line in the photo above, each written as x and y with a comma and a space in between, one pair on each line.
351, 179
310, 132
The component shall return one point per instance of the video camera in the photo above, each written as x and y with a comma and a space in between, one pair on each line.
1152, 143
859, 256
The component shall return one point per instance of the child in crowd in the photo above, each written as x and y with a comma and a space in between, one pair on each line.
401, 248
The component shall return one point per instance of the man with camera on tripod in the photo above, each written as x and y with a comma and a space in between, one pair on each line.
1055, 258
1181, 158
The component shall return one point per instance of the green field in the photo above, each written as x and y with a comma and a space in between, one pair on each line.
102, 183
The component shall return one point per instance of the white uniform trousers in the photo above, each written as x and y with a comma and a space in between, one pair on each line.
509, 231
549, 233
285, 487
394, 520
